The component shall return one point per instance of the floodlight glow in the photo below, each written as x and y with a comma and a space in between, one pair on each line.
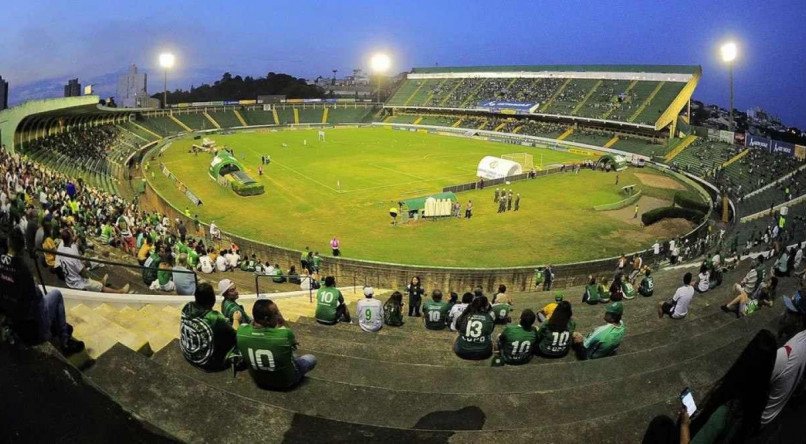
167, 60
380, 62
729, 52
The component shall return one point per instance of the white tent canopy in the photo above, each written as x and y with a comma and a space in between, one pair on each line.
492, 167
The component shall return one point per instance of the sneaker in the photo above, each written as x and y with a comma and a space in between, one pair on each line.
72, 346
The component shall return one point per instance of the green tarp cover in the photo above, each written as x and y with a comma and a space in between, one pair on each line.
418, 203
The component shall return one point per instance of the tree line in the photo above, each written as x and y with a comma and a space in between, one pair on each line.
231, 87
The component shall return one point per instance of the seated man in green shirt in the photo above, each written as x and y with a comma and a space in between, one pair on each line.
228, 290
500, 312
330, 306
435, 312
517, 342
267, 347
647, 286
206, 336
604, 340
475, 326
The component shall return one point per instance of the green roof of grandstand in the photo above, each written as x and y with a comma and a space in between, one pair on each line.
663, 69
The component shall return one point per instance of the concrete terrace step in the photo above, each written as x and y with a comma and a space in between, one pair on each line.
100, 334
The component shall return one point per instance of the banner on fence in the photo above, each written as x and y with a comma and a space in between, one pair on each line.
758, 142
192, 197
713, 134
800, 152
783, 148
726, 136
504, 107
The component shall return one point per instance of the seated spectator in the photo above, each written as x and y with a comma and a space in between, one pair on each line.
145, 250
228, 291
215, 233
233, 260
221, 262
184, 279
781, 267
278, 275
34, 317
517, 342
740, 303
677, 307
616, 292
49, 244
369, 312
435, 311
787, 376
475, 326
206, 264
750, 281
604, 290
765, 295
293, 276
647, 286
500, 311
458, 309
453, 299
554, 335
164, 281
75, 273
267, 347
330, 306
628, 290
393, 310
703, 280
248, 264
732, 410
206, 336
546, 312
502, 296
591, 295
604, 340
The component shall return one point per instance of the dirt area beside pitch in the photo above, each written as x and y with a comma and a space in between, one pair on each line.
645, 203
659, 181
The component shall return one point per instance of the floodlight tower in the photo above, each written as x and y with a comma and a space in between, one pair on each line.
729, 51
166, 62
380, 64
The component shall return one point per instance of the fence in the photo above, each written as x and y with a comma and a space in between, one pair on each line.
503, 180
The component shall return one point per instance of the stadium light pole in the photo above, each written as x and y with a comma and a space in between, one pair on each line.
380, 64
166, 62
729, 51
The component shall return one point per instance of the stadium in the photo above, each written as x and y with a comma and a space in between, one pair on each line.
522, 185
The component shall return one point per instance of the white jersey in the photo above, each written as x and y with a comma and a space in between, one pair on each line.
369, 312
454, 314
206, 264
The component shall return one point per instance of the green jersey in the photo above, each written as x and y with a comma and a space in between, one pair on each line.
435, 313
517, 344
327, 300
205, 336
554, 343
604, 340
107, 232
392, 315
269, 353
475, 333
229, 307
501, 312
647, 286
193, 258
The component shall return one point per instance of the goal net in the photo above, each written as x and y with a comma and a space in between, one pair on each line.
524, 159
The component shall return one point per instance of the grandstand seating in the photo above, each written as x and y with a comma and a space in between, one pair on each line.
161, 124
194, 120
257, 117
225, 118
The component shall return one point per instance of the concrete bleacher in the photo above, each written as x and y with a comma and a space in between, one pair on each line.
405, 383
161, 124
194, 120
225, 118
258, 117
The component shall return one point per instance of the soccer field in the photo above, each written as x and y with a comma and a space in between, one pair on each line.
345, 186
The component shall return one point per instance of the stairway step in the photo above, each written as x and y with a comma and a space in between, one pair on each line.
100, 333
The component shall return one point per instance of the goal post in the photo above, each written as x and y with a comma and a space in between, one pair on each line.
524, 159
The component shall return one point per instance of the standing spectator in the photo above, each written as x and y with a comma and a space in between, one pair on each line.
228, 291
517, 202
415, 291
496, 195
206, 336
469, 209
268, 349
184, 279
604, 340
393, 310
458, 309
369, 312
475, 327
330, 306
677, 307
517, 342
548, 277
435, 311
637, 264
554, 336
183, 230
781, 267
335, 246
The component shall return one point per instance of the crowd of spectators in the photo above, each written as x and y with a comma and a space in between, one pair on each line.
87, 148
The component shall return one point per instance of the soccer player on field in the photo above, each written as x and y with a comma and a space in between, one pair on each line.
517, 342
435, 312
475, 328
554, 336
267, 347
369, 312
330, 306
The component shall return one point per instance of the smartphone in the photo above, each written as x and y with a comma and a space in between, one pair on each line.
687, 398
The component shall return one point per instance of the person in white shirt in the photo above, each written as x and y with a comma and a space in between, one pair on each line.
458, 309
268, 269
232, 259
369, 312
221, 263
677, 307
798, 259
787, 375
703, 279
215, 233
206, 264
75, 273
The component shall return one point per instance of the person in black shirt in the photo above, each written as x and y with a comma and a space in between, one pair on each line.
35, 318
415, 291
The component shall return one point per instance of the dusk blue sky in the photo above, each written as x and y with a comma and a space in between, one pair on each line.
46, 43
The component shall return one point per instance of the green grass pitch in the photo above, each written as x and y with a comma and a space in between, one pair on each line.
345, 186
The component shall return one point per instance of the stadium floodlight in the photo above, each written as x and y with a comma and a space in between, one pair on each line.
380, 63
166, 62
729, 51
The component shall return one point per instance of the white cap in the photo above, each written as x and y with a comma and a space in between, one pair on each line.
369, 291
224, 285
